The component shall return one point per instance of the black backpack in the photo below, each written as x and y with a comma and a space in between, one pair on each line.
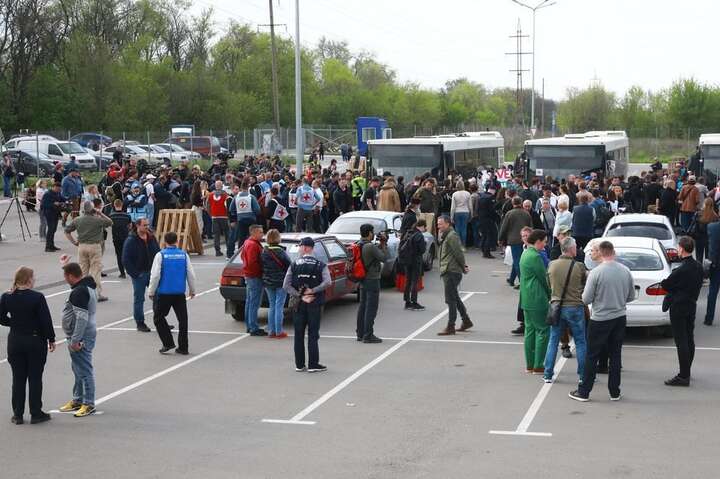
406, 249
603, 214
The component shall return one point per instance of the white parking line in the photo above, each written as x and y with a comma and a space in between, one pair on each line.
120, 321
68, 290
162, 373
298, 418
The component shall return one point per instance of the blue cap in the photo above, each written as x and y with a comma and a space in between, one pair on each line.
307, 241
135, 185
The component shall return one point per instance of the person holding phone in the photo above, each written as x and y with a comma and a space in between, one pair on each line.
25, 312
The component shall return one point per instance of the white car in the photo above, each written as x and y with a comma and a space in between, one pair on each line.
346, 228
649, 264
178, 152
157, 154
646, 226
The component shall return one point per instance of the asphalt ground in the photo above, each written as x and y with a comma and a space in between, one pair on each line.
417, 405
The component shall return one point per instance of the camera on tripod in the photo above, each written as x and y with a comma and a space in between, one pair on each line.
64, 207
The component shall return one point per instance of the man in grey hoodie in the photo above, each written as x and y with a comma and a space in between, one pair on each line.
78, 323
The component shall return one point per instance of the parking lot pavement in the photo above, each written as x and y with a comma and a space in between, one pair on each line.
417, 405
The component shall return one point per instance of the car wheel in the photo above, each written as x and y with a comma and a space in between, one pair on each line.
239, 314
45, 171
428, 263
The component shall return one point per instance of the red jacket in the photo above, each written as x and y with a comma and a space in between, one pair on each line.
217, 207
252, 263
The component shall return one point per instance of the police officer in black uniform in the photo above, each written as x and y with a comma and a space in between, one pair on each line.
306, 280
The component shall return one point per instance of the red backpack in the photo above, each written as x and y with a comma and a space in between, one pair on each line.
354, 267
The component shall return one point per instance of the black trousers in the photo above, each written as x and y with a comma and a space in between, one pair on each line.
601, 334
161, 308
488, 232
682, 321
118, 245
307, 317
220, 227
367, 311
52, 223
412, 277
451, 282
27, 356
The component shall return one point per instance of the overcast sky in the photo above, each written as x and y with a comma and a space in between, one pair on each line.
649, 43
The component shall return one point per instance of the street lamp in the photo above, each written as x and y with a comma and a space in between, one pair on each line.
542, 4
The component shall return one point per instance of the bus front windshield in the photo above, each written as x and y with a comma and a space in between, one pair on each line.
559, 161
407, 160
711, 162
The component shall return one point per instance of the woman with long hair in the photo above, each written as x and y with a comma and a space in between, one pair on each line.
275, 263
25, 312
702, 219
196, 203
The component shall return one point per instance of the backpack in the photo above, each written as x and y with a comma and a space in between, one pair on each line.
603, 214
406, 250
354, 266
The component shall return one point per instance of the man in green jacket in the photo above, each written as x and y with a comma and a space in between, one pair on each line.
534, 300
452, 267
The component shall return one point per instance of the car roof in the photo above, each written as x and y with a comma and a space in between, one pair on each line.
380, 215
296, 237
639, 218
633, 242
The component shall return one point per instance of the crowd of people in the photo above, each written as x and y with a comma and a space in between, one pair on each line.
542, 227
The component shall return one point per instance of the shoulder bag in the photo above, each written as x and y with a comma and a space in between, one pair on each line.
553, 316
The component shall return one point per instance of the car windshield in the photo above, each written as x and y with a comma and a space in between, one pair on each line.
135, 149
164, 148
639, 260
644, 230
144, 148
178, 148
70, 148
351, 225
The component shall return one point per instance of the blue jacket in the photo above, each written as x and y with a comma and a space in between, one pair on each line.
137, 255
48, 199
253, 204
306, 191
72, 187
583, 220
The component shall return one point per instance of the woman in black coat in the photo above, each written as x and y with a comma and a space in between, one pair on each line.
26, 312
275, 263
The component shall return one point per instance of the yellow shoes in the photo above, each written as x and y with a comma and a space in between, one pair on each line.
70, 406
85, 410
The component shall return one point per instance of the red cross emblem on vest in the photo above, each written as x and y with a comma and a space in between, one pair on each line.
306, 197
243, 205
281, 213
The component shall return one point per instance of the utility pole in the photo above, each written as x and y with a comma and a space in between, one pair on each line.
542, 4
276, 95
519, 103
542, 109
300, 151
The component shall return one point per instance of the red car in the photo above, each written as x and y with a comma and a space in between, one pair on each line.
327, 249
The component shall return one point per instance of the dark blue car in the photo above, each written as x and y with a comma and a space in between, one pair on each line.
86, 140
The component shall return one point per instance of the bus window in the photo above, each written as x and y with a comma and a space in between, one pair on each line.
387, 133
368, 134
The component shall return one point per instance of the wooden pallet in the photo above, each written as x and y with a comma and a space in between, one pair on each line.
184, 224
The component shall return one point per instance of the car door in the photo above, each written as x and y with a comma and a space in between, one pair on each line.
320, 253
337, 256
55, 152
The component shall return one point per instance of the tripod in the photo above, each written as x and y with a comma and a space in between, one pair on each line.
23, 221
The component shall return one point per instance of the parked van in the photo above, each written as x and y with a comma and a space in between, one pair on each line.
13, 142
207, 146
61, 151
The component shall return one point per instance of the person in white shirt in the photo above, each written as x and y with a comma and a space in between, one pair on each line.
460, 211
150, 193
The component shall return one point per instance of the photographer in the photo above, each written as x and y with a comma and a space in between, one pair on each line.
52, 204
8, 172
373, 257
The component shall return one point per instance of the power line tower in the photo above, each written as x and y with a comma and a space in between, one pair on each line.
518, 70
275, 90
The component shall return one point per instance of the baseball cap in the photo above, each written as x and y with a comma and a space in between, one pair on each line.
135, 185
150, 177
564, 229
307, 241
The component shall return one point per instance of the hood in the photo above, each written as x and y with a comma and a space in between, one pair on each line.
389, 185
86, 281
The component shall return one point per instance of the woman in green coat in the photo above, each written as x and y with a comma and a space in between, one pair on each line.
535, 301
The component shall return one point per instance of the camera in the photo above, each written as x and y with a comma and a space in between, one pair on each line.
381, 237
64, 207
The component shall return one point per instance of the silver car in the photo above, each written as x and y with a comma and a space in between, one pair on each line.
346, 228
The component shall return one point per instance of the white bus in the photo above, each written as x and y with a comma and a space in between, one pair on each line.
709, 164
604, 152
464, 153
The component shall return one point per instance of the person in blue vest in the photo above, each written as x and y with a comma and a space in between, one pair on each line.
136, 203
307, 278
171, 270
244, 210
306, 199
583, 221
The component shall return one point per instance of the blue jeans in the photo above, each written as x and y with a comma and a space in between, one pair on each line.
475, 231
150, 209
7, 181
253, 296
276, 300
572, 317
461, 223
82, 368
517, 250
685, 219
140, 284
231, 240
712, 295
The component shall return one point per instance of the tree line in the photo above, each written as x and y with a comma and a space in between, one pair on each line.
135, 65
